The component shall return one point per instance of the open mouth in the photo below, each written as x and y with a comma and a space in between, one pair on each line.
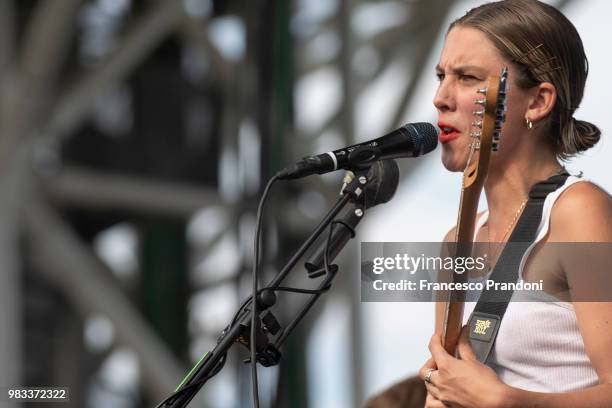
447, 133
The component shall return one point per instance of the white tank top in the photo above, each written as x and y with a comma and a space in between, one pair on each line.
539, 346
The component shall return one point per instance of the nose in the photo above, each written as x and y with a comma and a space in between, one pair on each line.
444, 99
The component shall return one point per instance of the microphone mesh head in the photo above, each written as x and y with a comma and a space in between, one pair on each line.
424, 137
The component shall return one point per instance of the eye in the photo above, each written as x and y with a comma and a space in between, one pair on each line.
466, 77
440, 76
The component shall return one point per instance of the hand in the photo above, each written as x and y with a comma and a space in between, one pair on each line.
460, 383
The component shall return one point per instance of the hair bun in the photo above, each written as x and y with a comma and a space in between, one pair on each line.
580, 136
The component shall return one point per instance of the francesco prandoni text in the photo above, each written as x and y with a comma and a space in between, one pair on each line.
426, 285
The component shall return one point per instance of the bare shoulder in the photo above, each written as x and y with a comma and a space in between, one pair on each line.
583, 212
450, 235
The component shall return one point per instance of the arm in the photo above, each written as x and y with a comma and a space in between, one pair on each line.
583, 214
441, 306
440, 310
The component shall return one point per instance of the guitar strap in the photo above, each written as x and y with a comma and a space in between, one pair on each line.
487, 315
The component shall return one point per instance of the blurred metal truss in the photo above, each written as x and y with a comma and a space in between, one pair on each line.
37, 113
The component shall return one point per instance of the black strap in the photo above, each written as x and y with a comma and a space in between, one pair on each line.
489, 311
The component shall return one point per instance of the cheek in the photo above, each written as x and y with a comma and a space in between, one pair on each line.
517, 105
515, 114
514, 127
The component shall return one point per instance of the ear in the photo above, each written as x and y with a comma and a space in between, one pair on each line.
541, 102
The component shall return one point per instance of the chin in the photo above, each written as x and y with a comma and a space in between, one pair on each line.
453, 161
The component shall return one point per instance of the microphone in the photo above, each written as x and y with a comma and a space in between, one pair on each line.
411, 140
384, 179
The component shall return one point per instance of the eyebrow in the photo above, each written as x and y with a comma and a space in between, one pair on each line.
462, 69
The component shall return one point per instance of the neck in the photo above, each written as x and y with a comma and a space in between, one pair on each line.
508, 185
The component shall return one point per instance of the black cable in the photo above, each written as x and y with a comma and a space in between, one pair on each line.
221, 363
256, 267
279, 289
325, 289
186, 388
304, 291
255, 293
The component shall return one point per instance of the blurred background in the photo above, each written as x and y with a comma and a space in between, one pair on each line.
135, 140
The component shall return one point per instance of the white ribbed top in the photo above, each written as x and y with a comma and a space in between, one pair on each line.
539, 346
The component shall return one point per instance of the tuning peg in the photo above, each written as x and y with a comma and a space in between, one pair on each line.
497, 136
476, 134
498, 127
480, 101
480, 113
495, 146
475, 144
482, 91
477, 124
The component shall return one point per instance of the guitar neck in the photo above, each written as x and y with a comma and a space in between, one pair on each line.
453, 319
487, 133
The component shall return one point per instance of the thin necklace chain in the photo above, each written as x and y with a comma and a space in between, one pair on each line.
518, 212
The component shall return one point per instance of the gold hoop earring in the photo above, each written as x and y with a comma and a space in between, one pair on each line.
529, 124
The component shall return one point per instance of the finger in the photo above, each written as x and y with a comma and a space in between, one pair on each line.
465, 347
439, 354
431, 397
433, 390
429, 365
433, 402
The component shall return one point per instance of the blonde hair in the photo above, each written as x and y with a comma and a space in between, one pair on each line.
546, 47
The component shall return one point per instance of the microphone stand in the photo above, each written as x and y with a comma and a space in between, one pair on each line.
238, 331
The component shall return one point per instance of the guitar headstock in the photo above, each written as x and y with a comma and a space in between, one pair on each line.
486, 133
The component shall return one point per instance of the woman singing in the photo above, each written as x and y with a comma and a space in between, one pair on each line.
547, 354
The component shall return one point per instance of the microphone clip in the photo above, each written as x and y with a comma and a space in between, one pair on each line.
355, 182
